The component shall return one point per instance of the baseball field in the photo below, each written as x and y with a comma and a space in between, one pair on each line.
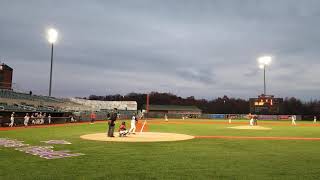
218, 150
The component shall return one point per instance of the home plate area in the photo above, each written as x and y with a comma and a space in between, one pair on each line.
139, 137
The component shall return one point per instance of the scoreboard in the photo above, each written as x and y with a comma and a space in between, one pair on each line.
265, 104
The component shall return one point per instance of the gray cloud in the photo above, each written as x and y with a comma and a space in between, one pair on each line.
202, 48
203, 75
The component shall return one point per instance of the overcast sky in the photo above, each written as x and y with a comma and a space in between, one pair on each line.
187, 47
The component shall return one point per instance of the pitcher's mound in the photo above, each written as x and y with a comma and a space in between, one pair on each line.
250, 127
138, 137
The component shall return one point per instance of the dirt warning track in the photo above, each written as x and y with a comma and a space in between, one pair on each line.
257, 138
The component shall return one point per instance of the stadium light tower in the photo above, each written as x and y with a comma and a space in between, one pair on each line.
263, 62
52, 36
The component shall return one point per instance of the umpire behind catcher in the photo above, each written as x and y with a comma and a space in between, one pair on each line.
113, 117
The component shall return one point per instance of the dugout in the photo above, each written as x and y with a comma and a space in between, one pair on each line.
56, 117
173, 111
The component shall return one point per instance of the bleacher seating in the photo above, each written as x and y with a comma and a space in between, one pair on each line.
17, 101
4, 93
106, 105
33, 102
26, 108
46, 108
14, 107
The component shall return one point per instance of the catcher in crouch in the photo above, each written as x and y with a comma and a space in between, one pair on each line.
123, 130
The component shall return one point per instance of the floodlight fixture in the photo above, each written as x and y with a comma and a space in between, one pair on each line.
52, 35
263, 62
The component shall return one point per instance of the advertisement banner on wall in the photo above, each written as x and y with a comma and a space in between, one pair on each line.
267, 117
216, 116
284, 117
219, 116
233, 116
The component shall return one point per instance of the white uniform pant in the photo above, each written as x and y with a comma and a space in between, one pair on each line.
11, 123
251, 122
133, 127
25, 122
293, 122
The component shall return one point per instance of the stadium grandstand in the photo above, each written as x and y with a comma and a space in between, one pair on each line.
107, 105
17, 101
60, 109
13, 99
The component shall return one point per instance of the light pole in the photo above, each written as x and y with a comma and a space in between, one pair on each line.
263, 62
52, 36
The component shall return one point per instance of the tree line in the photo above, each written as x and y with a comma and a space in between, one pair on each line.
223, 105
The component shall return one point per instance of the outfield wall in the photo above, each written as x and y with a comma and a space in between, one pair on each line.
244, 116
220, 116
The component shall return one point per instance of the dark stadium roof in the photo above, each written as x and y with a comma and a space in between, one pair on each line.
172, 108
5, 67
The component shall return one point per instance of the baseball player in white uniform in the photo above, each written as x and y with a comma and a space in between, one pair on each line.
133, 124
49, 119
11, 120
293, 120
250, 116
26, 120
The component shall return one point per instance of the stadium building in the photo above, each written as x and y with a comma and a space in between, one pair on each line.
173, 111
5, 76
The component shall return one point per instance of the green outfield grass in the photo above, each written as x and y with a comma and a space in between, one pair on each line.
192, 159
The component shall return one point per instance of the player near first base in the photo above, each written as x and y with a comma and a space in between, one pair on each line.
250, 116
166, 117
293, 120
